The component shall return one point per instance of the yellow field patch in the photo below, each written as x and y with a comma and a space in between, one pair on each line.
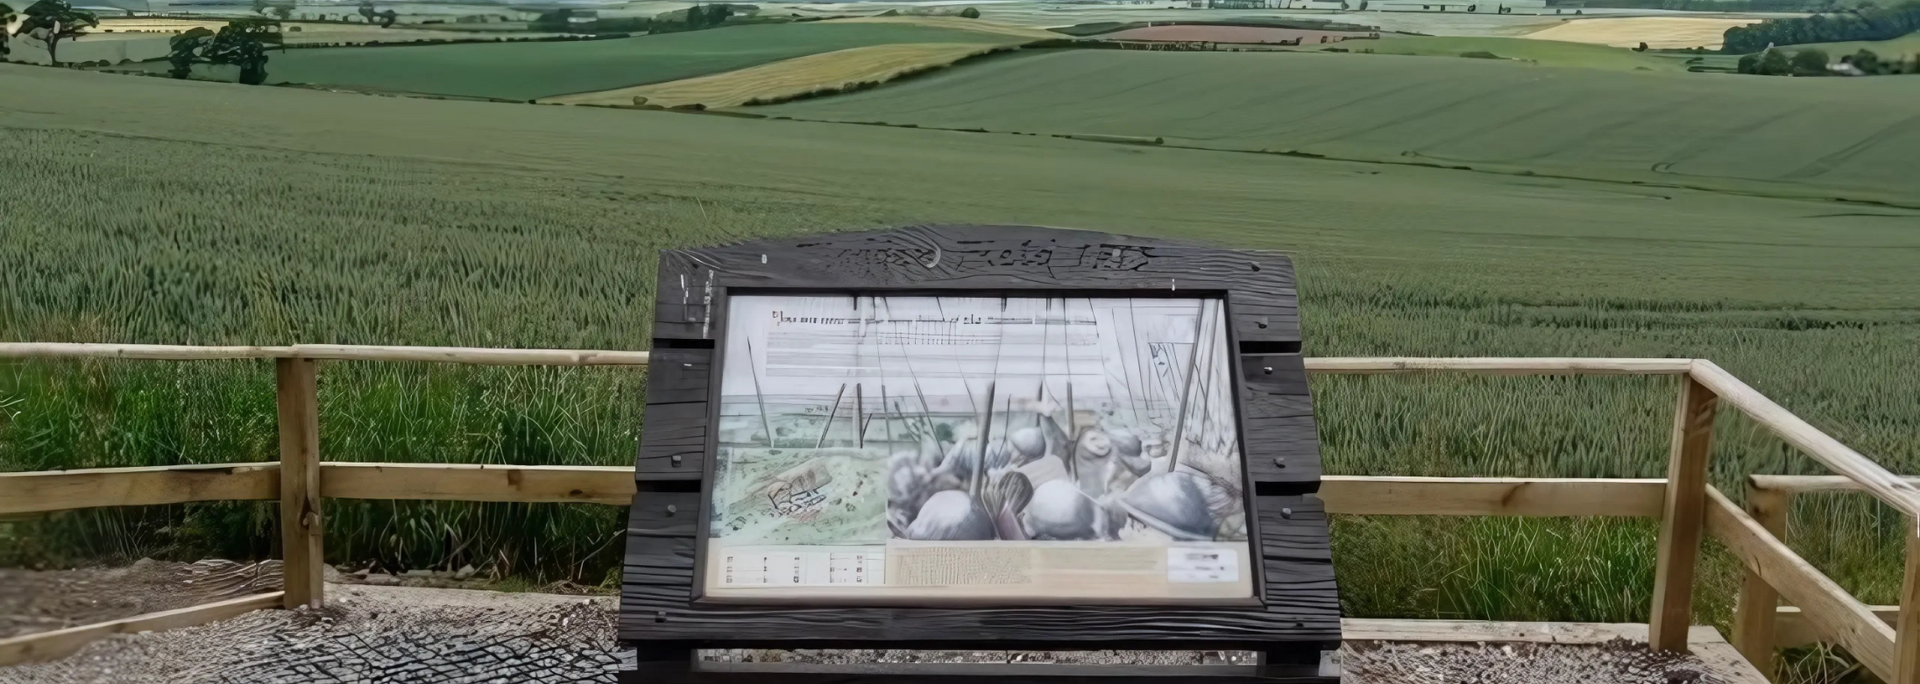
959, 23
1656, 32
787, 77
299, 32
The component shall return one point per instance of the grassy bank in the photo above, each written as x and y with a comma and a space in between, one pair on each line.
389, 220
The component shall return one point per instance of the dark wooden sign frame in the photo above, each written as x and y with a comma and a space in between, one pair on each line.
1297, 619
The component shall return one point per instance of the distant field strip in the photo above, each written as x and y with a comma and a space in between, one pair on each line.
1656, 32
299, 32
1228, 34
789, 77
526, 71
1767, 136
1541, 52
956, 23
1904, 47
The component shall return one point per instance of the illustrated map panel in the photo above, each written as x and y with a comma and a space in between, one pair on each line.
1015, 449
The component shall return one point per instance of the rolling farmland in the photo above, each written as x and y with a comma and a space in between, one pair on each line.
348, 219
1656, 32
1683, 129
787, 78
1905, 47
1539, 52
525, 71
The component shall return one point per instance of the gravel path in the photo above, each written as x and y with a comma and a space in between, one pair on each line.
36, 601
365, 634
451, 636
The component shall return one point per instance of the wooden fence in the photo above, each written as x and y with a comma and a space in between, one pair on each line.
1884, 639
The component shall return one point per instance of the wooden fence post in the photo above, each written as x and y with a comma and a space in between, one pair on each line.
1684, 518
300, 482
1753, 616
1907, 626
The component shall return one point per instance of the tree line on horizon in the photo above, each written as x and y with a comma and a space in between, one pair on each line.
50, 21
1865, 23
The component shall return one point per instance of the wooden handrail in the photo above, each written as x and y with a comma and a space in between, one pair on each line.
611, 485
59, 490
472, 355
41, 491
1812, 484
1893, 489
148, 352
329, 352
598, 357
1497, 366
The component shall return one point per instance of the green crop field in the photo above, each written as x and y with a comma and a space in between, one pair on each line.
1713, 130
1904, 47
1542, 52
134, 213
525, 71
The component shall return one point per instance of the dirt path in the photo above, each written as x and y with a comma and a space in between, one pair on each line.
43, 601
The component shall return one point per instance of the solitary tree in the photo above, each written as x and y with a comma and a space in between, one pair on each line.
54, 21
1868, 63
1773, 63
6, 19
243, 43
1810, 62
186, 51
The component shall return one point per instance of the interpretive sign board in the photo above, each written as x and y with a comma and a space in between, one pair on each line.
977, 437
1034, 449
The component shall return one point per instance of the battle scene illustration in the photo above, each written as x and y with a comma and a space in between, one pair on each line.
855, 420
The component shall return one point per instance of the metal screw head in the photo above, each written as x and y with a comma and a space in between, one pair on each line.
672, 509
689, 365
659, 616
1279, 463
1262, 325
1286, 513
675, 459
1253, 266
1268, 370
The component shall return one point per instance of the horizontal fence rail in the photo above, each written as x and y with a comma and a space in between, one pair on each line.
57, 490
1882, 638
614, 485
587, 357
326, 352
